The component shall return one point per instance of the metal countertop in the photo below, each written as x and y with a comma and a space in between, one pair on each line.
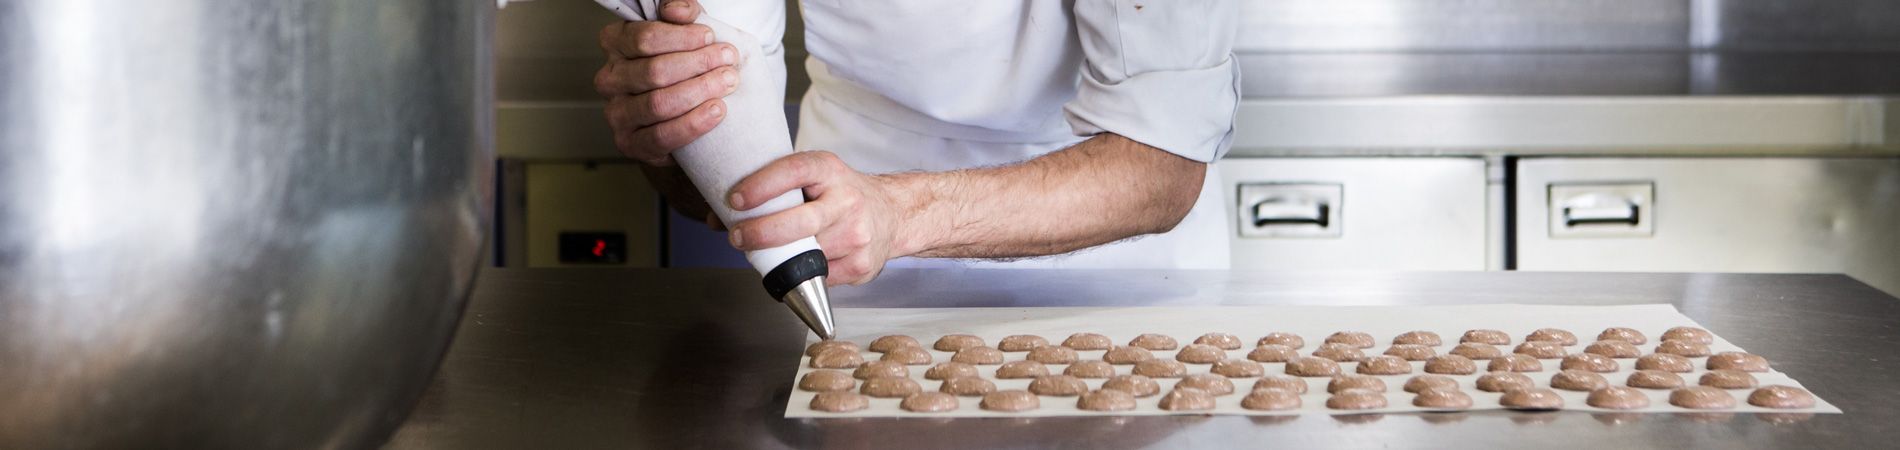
701, 358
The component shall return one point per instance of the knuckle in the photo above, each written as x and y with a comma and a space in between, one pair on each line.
604, 79
646, 39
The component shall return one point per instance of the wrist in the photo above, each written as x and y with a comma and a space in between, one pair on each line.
912, 230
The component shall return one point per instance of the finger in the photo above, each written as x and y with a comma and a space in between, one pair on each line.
796, 171
654, 145
783, 227
628, 40
680, 11
634, 76
671, 102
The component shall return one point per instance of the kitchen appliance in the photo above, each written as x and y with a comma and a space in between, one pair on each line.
235, 224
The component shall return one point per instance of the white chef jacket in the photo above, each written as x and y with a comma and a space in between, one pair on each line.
949, 84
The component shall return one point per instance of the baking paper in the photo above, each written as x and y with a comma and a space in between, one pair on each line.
1314, 323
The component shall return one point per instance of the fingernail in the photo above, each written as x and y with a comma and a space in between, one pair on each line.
709, 38
729, 56
676, 5
715, 110
737, 237
731, 77
733, 201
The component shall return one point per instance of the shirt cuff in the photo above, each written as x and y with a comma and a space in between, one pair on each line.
1185, 112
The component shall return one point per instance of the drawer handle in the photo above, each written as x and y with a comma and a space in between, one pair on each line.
1602, 210
1291, 211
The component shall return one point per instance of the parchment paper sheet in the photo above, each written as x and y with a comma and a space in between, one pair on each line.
1313, 323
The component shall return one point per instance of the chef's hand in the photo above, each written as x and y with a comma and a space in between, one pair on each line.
663, 81
855, 216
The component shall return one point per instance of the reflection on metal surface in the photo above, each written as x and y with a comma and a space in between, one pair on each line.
1445, 25
242, 225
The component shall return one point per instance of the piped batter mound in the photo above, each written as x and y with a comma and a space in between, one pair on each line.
1020, 342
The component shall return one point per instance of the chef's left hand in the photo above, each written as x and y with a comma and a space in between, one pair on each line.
855, 216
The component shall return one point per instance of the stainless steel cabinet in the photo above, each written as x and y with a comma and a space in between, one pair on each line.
1425, 213
1808, 214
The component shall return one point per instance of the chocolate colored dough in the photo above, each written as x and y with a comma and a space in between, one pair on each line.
826, 381
1385, 365
1356, 399
1344, 382
1238, 368
1532, 399
1701, 397
1411, 352
1010, 401
1781, 397
1106, 400
1290, 340
1339, 352
1665, 362
1654, 379
1221, 341
1273, 353
1187, 399
929, 402
1682, 348
1629, 335
1215, 385
1052, 354
1515, 363
950, 370
1160, 368
956, 342
893, 342
1088, 341
1578, 380
1138, 385
1561, 337
1310, 366
1504, 382
1058, 386
876, 369
1691, 334
1127, 355
1270, 399
1442, 399
1476, 350
837, 358
1489, 337
1589, 361
1425, 338
1014, 370
1295, 384
1617, 397
1614, 349
1090, 369
1746, 362
1540, 349
890, 387
907, 355
1356, 339
978, 355
839, 402
820, 346
1423, 382
1153, 341
1451, 365
1727, 379
1200, 354
1020, 342
967, 386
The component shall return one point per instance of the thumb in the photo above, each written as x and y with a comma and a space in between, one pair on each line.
680, 11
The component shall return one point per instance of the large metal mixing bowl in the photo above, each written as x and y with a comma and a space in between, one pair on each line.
235, 224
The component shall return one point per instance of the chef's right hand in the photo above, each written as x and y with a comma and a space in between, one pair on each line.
663, 81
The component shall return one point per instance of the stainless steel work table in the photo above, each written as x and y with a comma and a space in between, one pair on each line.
700, 358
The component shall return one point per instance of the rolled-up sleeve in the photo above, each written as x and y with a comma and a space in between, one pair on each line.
1159, 72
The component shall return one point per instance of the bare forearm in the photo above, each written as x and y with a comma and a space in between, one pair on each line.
1104, 189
